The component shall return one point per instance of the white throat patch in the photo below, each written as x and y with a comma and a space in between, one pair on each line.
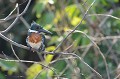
32, 31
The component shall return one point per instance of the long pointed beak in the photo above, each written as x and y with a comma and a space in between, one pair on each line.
45, 31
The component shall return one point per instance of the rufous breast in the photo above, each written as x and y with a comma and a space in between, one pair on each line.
34, 38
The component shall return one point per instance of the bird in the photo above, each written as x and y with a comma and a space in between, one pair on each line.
36, 37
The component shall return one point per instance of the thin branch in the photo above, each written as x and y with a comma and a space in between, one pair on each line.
117, 77
82, 62
25, 22
5, 55
17, 18
86, 50
7, 17
43, 70
75, 27
105, 38
62, 53
101, 24
107, 70
104, 15
24, 61
13, 50
11, 17
69, 47
12, 42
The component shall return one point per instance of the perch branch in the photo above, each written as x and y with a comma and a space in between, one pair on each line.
17, 18
7, 17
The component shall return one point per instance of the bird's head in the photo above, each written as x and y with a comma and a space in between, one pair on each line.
36, 28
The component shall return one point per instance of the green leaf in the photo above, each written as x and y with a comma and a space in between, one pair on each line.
9, 66
45, 74
48, 58
53, 40
85, 41
76, 20
2, 76
39, 7
36, 71
50, 48
33, 70
48, 17
60, 65
72, 10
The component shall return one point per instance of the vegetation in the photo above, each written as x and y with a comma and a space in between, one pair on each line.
84, 43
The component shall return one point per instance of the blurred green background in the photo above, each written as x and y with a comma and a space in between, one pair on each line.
59, 17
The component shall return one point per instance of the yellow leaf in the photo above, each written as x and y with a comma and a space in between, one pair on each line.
33, 70
48, 58
48, 26
38, 15
10, 72
76, 20
66, 29
57, 17
50, 48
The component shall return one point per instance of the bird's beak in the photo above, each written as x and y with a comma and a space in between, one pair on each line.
44, 31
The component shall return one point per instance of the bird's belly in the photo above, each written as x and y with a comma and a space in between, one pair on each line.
35, 45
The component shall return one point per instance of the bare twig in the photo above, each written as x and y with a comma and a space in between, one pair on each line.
117, 76
5, 55
82, 62
105, 19
86, 50
105, 38
24, 22
17, 18
75, 27
13, 50
7, 17
52, 62
24, 61
62, 53
107, 70
12, 42
104, 15
43, 70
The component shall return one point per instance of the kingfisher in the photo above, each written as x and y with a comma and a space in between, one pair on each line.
36, 37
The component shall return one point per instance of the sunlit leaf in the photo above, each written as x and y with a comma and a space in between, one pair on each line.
33, 70
48, 26
72, 10
66, 28
57, 17
116, 0
50, 48
45, 74
76, 20
36, 71
48, 58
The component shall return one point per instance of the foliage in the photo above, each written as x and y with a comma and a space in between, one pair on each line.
60, 17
